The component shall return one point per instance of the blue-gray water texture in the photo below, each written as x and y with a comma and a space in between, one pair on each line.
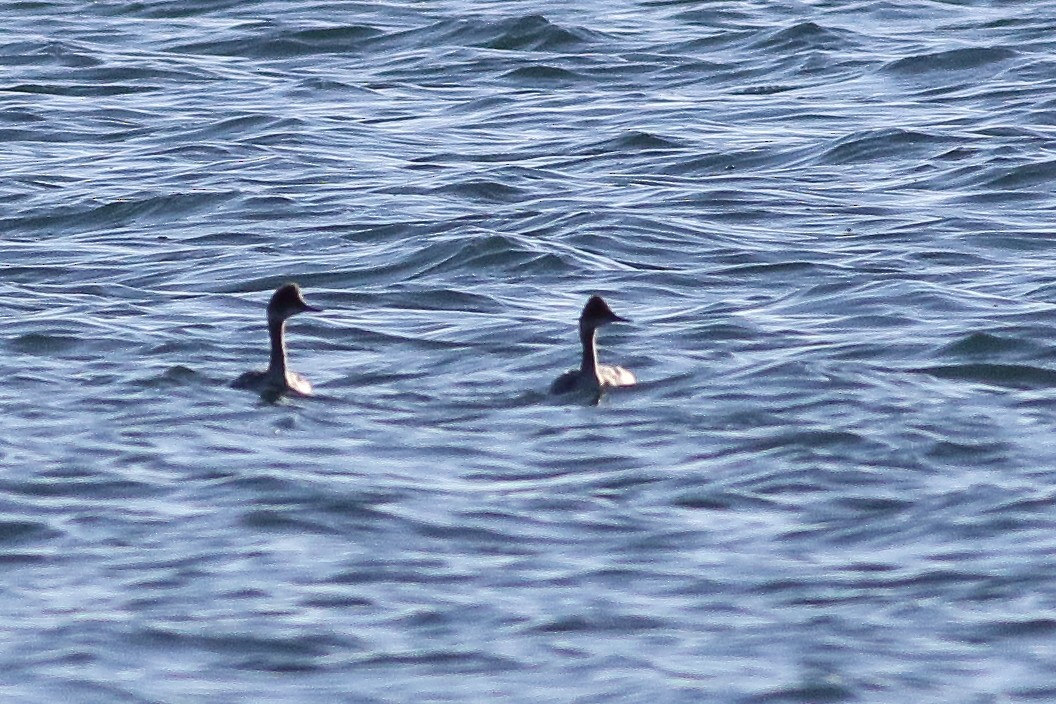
830, 222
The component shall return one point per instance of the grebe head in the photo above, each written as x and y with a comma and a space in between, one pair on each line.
597, 313
287, 301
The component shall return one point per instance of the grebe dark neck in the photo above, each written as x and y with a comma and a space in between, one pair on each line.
588, 336
277, 337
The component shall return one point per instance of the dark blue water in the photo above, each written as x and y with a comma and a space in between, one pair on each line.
830, 222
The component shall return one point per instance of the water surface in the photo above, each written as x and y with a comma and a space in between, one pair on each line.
830, 223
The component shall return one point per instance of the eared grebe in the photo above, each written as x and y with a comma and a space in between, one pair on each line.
592, 376
277, 379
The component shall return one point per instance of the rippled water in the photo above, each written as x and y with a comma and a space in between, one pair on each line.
831, 223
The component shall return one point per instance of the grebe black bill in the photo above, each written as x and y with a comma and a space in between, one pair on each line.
593, 376
278, 380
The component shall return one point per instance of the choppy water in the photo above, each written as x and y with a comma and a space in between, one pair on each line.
830, 221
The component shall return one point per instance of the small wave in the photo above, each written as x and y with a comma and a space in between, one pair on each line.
77, 90
484, 190
270, 519
535, 33
625, 623
632, 141
542, 74
889, 143
531, 33
981, 343
1024, 176
794, 268
22, 116
268, 42
1000, 631
465, 662
177, 375
118, 212
62, 54
953, 60
169, 9
767, 89
240, 127
804, 36
276, 652
482, 253
43, 344
1015, 376
19, 531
